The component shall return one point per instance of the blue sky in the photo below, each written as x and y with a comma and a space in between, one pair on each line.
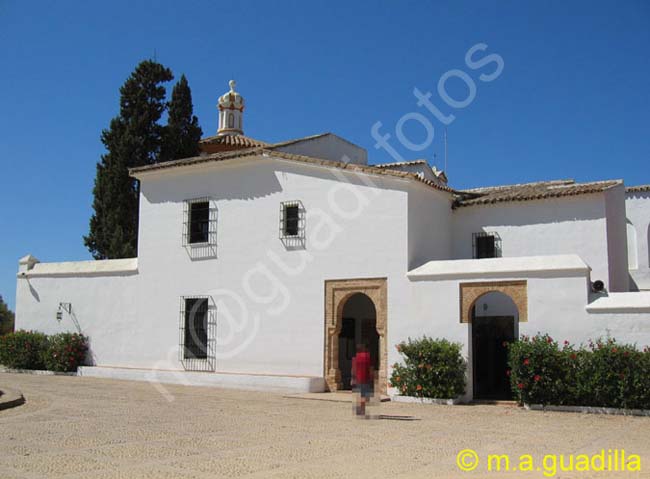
572, 100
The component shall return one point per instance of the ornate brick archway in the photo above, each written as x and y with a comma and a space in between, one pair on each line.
470, 292
337, 292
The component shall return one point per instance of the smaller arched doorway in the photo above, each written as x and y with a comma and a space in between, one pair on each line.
494, 324
358, 326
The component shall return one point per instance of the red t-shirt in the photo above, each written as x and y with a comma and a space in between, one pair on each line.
361, 365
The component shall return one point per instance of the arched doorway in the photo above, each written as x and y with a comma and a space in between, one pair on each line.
494, 324
358, 326
338, 294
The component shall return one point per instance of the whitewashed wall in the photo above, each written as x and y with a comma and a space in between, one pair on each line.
429, 218
104, 307
354, 230
619, 278
637, 206
575, 225
270, 298
557, 305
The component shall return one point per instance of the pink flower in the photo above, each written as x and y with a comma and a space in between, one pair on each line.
520, 385
526, 362
537, 377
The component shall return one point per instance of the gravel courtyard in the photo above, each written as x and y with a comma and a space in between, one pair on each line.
85, 427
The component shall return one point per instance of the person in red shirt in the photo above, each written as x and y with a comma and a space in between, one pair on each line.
362, 378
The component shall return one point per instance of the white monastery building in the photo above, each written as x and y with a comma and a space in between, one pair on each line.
262, 265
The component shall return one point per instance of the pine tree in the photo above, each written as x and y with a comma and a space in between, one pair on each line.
182, 133
134, 138
6, 318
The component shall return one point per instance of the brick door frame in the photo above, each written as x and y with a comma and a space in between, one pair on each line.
337, 292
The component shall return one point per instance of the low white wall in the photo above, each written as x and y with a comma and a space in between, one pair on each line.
623, 303
102, 298
252, 382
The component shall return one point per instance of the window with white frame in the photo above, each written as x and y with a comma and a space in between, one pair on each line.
197, 333
199, 222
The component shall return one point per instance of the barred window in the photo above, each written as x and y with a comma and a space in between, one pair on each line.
197, 333
292, 220
199, 222
196, 328
486, 245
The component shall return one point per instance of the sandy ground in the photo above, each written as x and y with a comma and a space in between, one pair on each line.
85, 427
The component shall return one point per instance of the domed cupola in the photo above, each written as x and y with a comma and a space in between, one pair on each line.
231, 111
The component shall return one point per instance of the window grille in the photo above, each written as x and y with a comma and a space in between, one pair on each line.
200, 227
197, 333
292, 224
486, 245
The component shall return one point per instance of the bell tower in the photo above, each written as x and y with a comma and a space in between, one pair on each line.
231, 112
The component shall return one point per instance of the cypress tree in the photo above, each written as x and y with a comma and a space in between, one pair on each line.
182, 133
134, 138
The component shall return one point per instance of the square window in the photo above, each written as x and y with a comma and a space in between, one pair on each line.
486, 245
292, 223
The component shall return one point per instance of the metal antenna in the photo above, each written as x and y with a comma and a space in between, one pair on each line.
445, 170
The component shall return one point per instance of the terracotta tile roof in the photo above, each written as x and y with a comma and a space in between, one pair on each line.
232, 141
529, 191
635, 189
402, 163
256, 152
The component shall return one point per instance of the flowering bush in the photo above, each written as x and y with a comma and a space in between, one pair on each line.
23, 350
604, 374
34, 350
433, 368
66, 352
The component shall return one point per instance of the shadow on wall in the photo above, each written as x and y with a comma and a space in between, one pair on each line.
255, 179
632, 253
33, 292
250, 180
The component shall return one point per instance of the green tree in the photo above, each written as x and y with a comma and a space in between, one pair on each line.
134, 138
182, 133
7, 318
